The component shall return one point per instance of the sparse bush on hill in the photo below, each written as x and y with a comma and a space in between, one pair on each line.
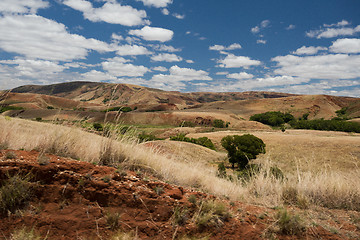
8, 108
203, 141
14, 193
187, 124
274, 119
50, 107
117, 109
218, 123
243, 148
143, 137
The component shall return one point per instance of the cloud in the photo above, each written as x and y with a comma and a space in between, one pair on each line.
222, 73
346, 45
97, 76
165, 11
232, 61
333, 30
33, 68
261, 41
156, 3
264, 24
131, 50
22, 6
223, 48
153, 34
37, 37
330, 66
117, 37
118, 67
160, 69
308, 50
179, 16
166, 57
165, 48
189, 61
240, 76
174, 80
290, 27
110, 12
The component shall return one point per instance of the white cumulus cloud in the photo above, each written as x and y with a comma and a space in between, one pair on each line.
131, 50
37, 37
232, 61
166, 57
153, 34
110, 12
233, 46
333, 30
22, 6
309, 50
346, 45
330, 66
239, 76
156, 3
118, 67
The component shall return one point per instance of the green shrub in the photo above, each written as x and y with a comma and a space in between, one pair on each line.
143, 137
273, 118
203, 141
10, 155
15, 192
221, 170
50, 107
98, 126
39, 119
326, 125
218, 123
243, 148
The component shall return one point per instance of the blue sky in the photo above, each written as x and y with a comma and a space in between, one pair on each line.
305, 47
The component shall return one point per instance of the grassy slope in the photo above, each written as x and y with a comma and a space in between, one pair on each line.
330, 188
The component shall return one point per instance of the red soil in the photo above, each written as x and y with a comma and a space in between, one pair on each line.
72, 199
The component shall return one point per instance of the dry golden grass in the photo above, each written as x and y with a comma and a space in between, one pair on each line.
328, 187
305, 150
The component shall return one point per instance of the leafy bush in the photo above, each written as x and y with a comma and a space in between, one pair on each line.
203, 141
243, 148
272, 118
143, 137
326, 125
14, 193
98, 126
218, 123
50, 107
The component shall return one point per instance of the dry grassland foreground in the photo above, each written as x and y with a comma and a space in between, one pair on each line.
313, 176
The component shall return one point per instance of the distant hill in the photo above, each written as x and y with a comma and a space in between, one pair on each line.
127, 94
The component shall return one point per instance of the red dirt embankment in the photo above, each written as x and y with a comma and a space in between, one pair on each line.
72, 199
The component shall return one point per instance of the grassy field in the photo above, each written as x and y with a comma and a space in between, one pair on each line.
304, 150
325, 185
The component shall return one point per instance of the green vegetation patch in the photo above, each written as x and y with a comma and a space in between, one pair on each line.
8, 108
203, 141
326, 125
274, 119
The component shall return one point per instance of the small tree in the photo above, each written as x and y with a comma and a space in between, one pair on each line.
243, 148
